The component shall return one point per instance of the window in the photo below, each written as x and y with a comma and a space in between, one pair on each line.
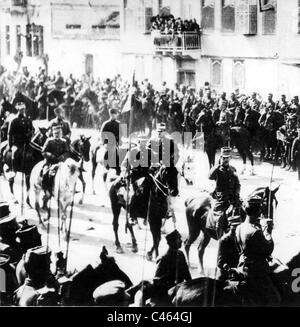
138, 14
238, 74
7, 39
187, 78
208, 14
216, 72
19, 2
228, 15
246, 17
18, 38
34, 40
269, 16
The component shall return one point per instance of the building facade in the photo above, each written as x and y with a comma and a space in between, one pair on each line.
73, 36
252, 45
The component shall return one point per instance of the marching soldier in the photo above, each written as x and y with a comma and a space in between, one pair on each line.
60, 121
227, 189
20, 131
282, 105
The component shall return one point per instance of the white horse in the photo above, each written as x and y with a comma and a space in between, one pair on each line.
63, 190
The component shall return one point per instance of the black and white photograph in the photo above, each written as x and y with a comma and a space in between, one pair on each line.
149, 155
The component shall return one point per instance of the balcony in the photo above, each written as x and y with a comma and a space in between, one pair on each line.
187, 43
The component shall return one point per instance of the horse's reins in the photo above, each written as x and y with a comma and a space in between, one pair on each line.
157, 182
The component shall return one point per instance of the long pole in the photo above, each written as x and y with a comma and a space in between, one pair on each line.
129, 150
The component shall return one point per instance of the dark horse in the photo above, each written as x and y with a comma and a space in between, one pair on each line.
78, 291
198, 215
239, 138
29, 156
154, 205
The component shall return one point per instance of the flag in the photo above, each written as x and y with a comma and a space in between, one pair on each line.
266, 5
128, 104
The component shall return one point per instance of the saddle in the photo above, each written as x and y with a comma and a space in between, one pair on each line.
48, 174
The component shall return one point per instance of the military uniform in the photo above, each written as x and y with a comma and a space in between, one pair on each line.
40, 287
20, 131
65, 126
227, 192
54, 151
255, 251
10, 281
110, 126
295, 151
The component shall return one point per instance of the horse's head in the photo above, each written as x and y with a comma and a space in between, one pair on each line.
167, 176
83, 147
268, 199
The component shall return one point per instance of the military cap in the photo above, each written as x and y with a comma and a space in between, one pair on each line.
113, 111
37, 258
171, 237
254, 201
6, 217
59, 109
226, 152
161, 127
19, 98
29, 235
111, 293
56, 128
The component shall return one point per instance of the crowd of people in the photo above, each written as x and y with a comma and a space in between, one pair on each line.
245, 247
168, 31
171, 25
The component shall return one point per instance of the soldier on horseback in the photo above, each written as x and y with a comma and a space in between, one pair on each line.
227, 191
60, 121
20, 131
54, 151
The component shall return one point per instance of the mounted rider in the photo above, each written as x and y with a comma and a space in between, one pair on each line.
20, 132
59, 120
54, 151
227, 191
110, 136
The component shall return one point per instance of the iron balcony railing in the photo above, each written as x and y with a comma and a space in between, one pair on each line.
177, 42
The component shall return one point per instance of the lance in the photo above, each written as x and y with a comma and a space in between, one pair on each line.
129, 150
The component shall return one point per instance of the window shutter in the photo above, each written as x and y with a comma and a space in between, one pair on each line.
246, 17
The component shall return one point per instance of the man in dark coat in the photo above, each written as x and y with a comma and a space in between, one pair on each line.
256, 245
8, 227
40, 287
227, 191
20, 131
296, 153
59, 120
54, 151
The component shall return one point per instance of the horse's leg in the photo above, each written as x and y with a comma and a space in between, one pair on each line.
250, 157
134, 248
37, 193
27, 181
11, 187
194, 231
116, 209
94, 167
83, 188
204, 240
155, 227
